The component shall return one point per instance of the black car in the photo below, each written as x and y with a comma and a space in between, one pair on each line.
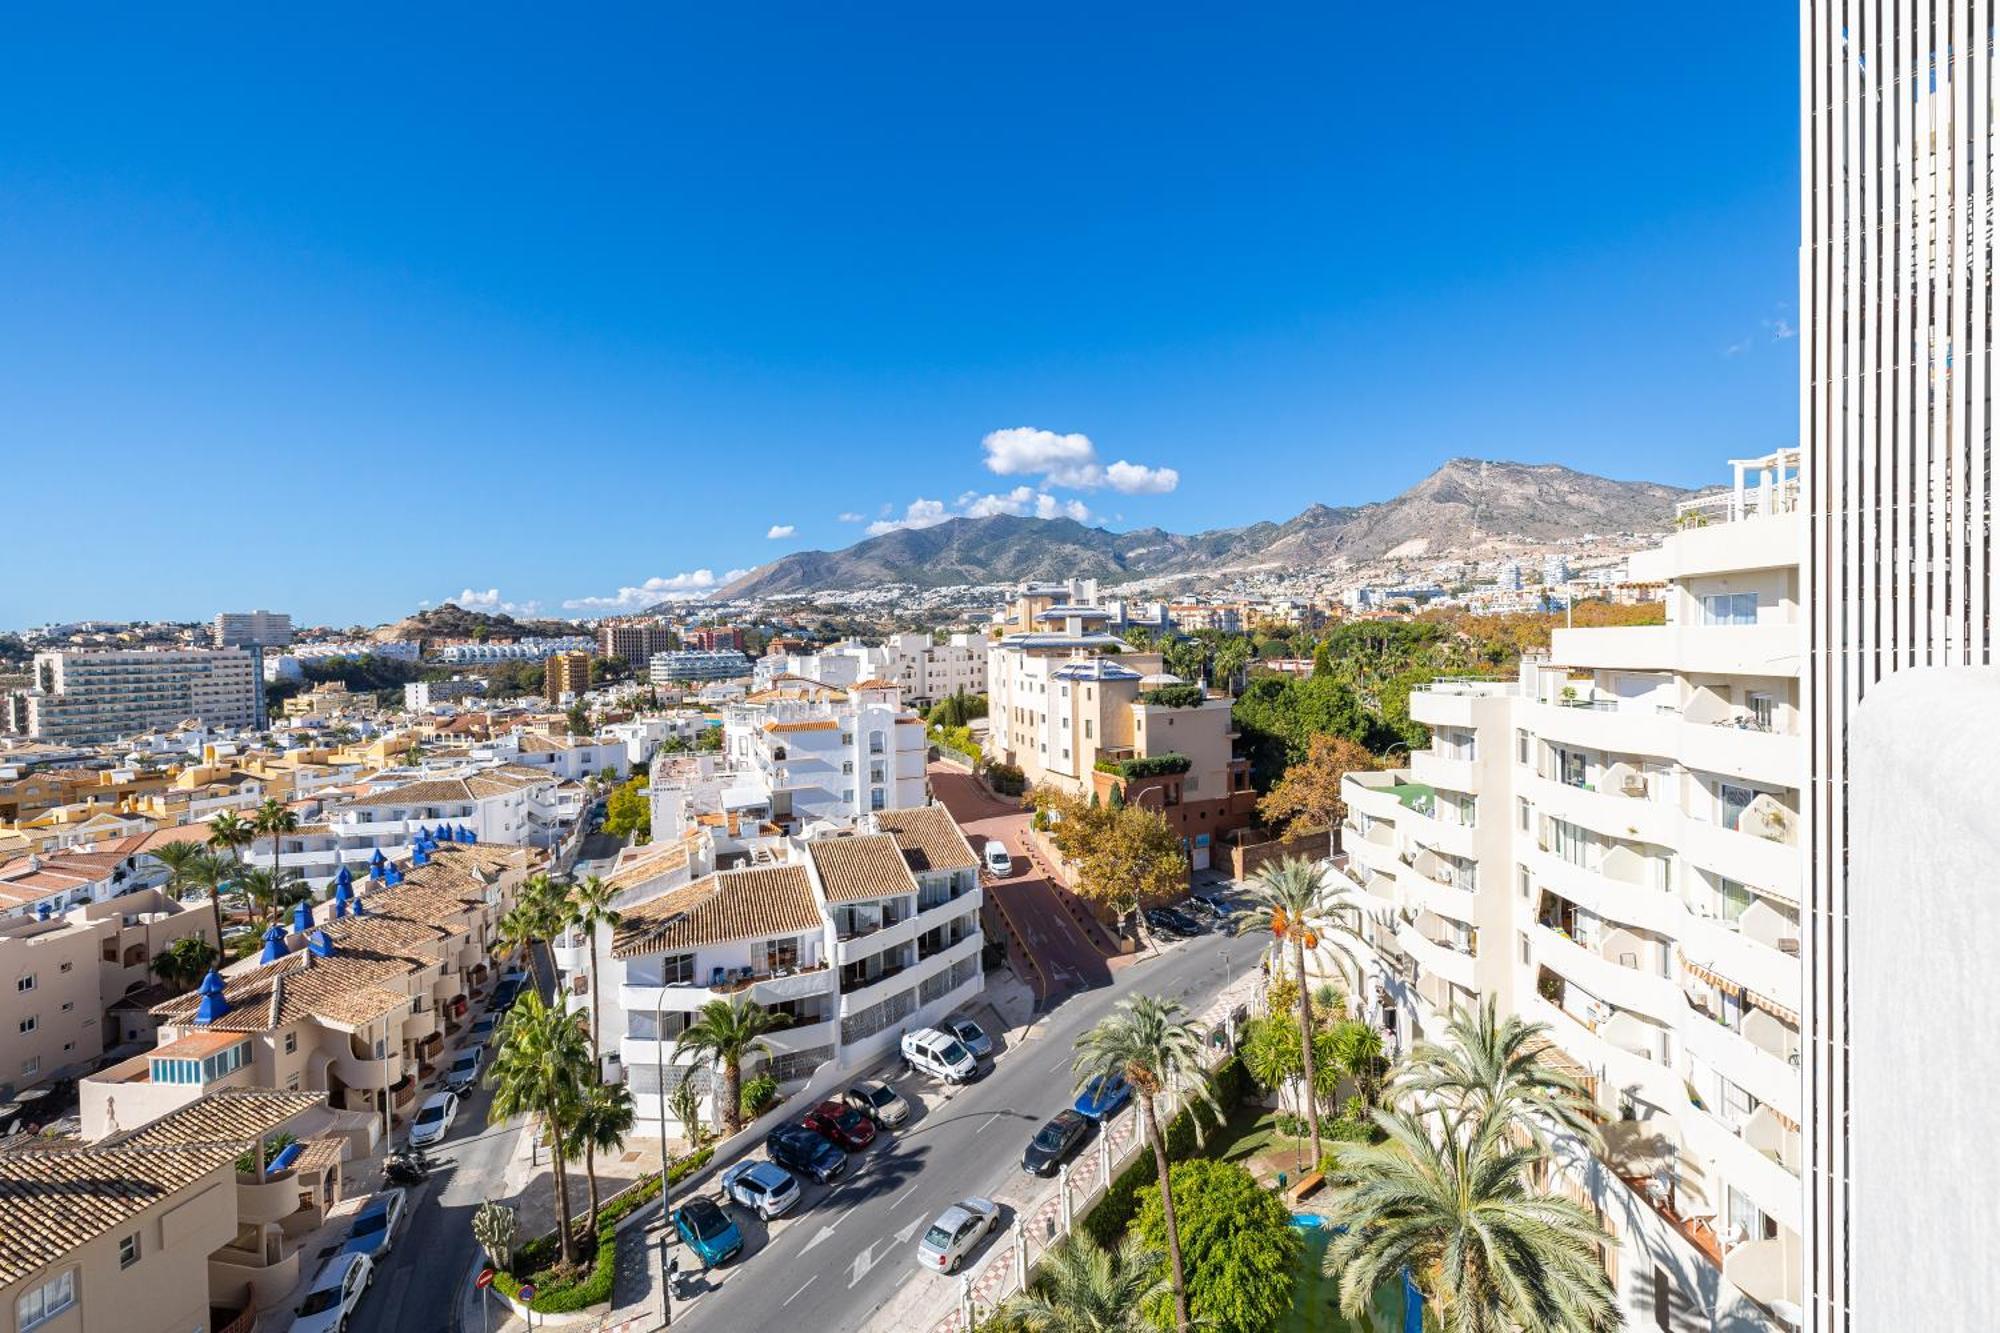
799, 1149
1211, 906
505, 994
1054, 1143
1167, 921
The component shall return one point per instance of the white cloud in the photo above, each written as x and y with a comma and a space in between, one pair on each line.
1069, 461
673, 588
851, 517
491, 602
922, 513
779, 531
1022, 501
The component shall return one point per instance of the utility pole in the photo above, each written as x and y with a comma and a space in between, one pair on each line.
666, 1208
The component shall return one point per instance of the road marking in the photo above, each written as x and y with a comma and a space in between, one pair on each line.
989, 1122
905, 1194
862, 1263
903, 1236
824, 1232
802, 1290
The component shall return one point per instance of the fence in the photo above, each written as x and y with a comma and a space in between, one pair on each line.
1008, 1266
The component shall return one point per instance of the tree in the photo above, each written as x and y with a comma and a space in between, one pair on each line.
1356, 1048
1307, 799
1447, 1199
1232, 658
627, 811
1275, 1057
1241, 1249
191, 865
1323, 659
535, 916
182, 964
1493, 1066
1154, 1045
604, 1117
1129, 855
577, 719
271, 891
1081, 1287
274, 819
542, 1069
228, 833
1292, 900
1186, 658
589, 909
726, 1031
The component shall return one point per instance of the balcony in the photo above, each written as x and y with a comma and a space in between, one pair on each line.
865, 938
1452, 774
1760, 1159
1452, 702
1757, 1059
1439, 829
1610, 971
1440, 958
1612, 896
1764, 649
1732, 748
860, 991
362, 1072
1746, 856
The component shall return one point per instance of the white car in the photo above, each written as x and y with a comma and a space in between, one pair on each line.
940, 1055
434, 1119
464, 1071
765, 1188
336, 1289
957, 1229
997, 860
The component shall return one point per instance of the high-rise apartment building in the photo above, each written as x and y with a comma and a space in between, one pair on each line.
636, 644
253, 629
103, 696
1610, 846
567, 674
714, 638
1895, 405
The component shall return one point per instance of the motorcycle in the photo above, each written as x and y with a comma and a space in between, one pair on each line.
407, 1166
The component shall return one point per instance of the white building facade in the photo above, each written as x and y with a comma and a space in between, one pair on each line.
105, 695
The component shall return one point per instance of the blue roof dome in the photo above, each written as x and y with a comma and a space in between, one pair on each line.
274, 944
302, 917
320, 944
213, 1005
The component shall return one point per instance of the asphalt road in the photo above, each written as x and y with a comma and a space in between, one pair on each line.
847, 1251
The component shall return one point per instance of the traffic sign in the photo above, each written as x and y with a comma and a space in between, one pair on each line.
527, 1292
485, 1278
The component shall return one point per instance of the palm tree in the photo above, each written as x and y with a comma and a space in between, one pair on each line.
1082, 1287
1294, 901
603, 1118
227, 833
1153, 1045
536, 915
185, 962
275, 819
726, 1031
1489, 1066
272, 891
589, 907
1357, 1047
542, 1069
190, 865
1447, 1199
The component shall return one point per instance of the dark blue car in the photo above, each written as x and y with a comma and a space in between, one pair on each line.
805, 1153
708, 1231
1102, 1096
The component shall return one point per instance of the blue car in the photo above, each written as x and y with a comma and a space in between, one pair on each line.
1102, 1096
708, 1231
374, 1227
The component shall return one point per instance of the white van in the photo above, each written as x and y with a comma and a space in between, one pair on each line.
940, 1055
998, 863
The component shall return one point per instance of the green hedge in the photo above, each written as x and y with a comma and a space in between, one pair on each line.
1106, 1222
554, 1295
1006, 779
1175, 696
1151, 767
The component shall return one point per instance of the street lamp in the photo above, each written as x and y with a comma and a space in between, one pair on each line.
666, 1210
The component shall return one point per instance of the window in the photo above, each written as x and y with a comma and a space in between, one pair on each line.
30, 1023
1729, 608
26, 983
847, 768
37, 1305
876, 801
1087, 725
1733, 801
1663, 1295
1523, 747
1568, 841
128, 1251
677, 970
1527, 884
291, 1043
1763, 710
31, 1067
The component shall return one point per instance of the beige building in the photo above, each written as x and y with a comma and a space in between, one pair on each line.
102, 696
566, 676
357, 1006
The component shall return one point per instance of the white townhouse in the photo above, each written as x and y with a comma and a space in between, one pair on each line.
817, 752
571, 758
1609, 845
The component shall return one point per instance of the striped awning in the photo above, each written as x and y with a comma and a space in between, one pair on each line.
1740, 991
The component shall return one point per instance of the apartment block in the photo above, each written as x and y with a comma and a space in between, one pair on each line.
697, 664
566, 676
1610, 845
925, 670
635, 644
89, 697
810, 752
253, 629
714, 638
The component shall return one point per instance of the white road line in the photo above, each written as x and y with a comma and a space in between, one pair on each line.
905, 1194
989, 1122
802, 1290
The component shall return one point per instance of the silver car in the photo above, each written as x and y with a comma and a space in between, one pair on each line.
955, 1231
765, 1188
971, 1036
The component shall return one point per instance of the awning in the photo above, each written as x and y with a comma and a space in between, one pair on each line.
1740, 991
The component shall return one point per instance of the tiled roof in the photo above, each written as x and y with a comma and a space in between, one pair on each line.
817, 724
756, 903
343, 989
51, 1203
868, 865
930, 838
233, 1116
665, 858
877, 683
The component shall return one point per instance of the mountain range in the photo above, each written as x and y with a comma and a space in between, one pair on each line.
1464, 505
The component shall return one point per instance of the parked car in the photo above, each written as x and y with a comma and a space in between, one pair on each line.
1102, 1096
879, 1102
940, 1055
955, 1231
1213, 906
998, 862
1054, 1143
464, 1071
483, 1030
971, 1036
434, 1119
841, 1125
798, 1149
765, 1188
335, 1291
708, 1231
1167, 921
373, 1230
504, 996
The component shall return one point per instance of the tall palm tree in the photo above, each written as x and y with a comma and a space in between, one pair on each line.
1081, 1287
603, 1118
542, 1069
1300, 906
185, 962
1357, 1046
272, 891
190, 865
726, 1031
1154, 1045
1447, 1199
274, 819
229, 833
589, 908
1492, 1066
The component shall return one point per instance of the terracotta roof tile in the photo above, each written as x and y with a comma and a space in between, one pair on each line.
930, 838
233, 1116
53, 1202
868, 865
756, 903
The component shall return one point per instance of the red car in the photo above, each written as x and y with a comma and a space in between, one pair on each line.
843, 1126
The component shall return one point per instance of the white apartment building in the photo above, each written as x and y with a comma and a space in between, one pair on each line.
522, 650
807, 752
420, 696
1610, 845
926, 670
94, 696
253, 629
692, 664
853, 937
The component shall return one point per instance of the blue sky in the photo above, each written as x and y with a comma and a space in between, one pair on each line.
345, 313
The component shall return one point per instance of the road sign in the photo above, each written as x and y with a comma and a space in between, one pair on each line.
527, 1292
485, 1278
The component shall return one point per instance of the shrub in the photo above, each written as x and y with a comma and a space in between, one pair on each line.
1151, 766
758, 1094
1175, 696
1106, 1222
1006, 779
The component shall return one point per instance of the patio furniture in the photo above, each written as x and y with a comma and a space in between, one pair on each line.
717, 977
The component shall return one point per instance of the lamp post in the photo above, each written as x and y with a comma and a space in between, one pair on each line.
666, 1210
